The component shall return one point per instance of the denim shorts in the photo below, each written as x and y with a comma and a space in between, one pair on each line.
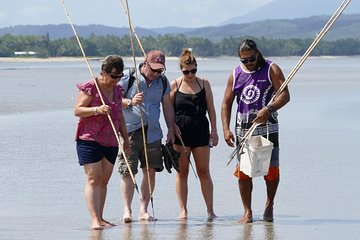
92, 152
154, 155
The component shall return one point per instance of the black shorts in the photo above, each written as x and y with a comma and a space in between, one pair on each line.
194, 131
92, 152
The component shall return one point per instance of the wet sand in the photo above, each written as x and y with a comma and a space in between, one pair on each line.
42, 184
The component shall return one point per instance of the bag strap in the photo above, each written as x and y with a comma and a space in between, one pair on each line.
132, 80
164, 83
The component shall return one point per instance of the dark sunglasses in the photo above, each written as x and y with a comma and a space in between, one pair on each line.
116, 76
249, 59
193, 71
159, 71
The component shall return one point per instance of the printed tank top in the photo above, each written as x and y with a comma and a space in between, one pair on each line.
253, 91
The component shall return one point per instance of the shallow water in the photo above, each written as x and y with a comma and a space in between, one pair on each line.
318, 197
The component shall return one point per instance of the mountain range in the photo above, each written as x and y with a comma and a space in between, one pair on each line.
291, 9
347, 26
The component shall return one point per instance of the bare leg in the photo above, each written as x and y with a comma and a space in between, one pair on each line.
127, 189
182, 181
145, 194
92, 192
271, 187
245, 187
202, 161
107, 169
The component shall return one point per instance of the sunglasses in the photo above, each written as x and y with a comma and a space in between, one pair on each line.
159, 71
193, 71
116, 76
249, 59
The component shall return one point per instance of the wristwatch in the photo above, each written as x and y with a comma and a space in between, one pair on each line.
270, 108
129, 104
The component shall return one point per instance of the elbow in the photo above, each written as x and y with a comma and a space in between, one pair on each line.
288, 98
76, 112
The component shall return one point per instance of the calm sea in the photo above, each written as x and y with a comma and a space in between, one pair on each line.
41, 184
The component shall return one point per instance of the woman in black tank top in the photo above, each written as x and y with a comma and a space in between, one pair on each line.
192, 98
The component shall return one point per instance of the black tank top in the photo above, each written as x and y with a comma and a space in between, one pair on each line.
190, 116
193, 105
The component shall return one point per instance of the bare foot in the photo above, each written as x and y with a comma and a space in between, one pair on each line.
105, 223
146, 217
211, 216
96, 227
183, 215
247, 218
126, 220
268, 214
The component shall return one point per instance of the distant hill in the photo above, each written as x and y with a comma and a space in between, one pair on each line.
347, 26
65, 31
287, 9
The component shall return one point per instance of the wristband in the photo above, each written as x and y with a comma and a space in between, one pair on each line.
270, 108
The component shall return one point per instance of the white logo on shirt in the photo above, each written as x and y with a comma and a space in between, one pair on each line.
250, 94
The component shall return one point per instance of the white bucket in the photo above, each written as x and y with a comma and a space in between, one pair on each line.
255, 161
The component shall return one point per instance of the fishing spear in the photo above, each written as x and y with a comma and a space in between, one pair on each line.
100, 95
319, 36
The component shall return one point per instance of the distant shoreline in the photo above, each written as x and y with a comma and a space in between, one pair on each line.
79, 59
67, 59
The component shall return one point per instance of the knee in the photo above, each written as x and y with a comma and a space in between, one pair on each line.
203, 173
95, 180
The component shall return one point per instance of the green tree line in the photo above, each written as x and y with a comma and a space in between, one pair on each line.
171, 45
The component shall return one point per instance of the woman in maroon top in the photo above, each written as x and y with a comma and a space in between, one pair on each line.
97, 145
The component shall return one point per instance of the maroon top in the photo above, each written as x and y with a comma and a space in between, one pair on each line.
98, 128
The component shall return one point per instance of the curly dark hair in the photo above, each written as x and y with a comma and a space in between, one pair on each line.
112, 61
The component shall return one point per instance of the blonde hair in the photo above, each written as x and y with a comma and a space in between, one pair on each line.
187, 58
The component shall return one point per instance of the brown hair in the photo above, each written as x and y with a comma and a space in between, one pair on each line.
112, 61
187, 58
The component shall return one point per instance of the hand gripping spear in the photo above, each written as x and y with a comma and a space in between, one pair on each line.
101, 98
132, 30
319, 36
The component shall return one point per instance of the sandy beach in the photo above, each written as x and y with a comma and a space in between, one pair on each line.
69, 59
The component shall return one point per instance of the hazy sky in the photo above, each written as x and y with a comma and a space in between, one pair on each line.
144, 13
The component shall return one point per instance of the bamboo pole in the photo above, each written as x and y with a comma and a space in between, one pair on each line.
319, 36
141, 112
100, 95
132, 28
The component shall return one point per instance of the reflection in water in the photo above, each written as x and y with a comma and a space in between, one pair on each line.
145, 228
191, 230
195, 230
247, 233
131, 231
96, 235
127, 231
269, 231
208, 230
182, 232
